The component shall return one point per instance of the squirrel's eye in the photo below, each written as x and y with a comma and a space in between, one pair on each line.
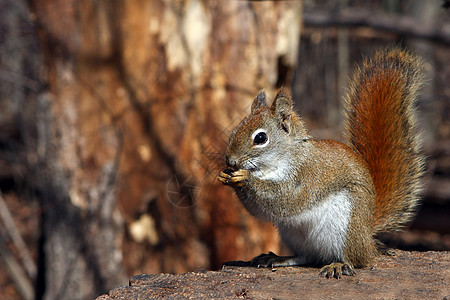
260, 138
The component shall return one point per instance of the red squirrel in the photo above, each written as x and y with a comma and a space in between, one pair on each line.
329, 200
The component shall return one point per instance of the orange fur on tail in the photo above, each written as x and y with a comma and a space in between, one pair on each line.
381, 126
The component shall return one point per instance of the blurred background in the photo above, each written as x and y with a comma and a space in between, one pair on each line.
114, 117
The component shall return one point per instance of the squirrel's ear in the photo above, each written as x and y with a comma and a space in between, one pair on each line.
282, 108
259, 102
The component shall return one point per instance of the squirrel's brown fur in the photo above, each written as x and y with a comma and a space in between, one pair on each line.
328, 199
381, 126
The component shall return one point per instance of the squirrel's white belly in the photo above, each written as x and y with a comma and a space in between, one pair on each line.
318, 234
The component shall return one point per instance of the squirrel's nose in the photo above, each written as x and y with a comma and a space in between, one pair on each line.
227, 160
230, 162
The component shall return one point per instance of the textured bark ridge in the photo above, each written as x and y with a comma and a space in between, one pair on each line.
406, 275
133, 121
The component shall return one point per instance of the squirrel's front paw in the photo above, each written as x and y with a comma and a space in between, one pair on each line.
336, 270
231, 177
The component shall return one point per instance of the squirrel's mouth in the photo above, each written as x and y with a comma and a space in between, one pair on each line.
228, 171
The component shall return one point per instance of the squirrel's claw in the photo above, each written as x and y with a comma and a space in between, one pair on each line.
271, 260
265, 260
336, 270
230, 177
223, 177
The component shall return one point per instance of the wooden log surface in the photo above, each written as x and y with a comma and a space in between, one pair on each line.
405, 275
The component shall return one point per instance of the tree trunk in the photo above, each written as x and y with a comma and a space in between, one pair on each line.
132, 130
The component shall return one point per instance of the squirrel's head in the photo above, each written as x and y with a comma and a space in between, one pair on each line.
264, 136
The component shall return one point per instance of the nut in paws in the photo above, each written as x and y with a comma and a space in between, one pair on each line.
231, 177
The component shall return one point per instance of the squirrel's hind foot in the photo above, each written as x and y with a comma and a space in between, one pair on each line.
271, 260
336, 270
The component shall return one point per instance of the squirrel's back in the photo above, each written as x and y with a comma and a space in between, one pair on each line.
381, 126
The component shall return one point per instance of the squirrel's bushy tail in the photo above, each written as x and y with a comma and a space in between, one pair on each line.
381, 126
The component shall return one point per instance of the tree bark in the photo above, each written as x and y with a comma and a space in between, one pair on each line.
132, 130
